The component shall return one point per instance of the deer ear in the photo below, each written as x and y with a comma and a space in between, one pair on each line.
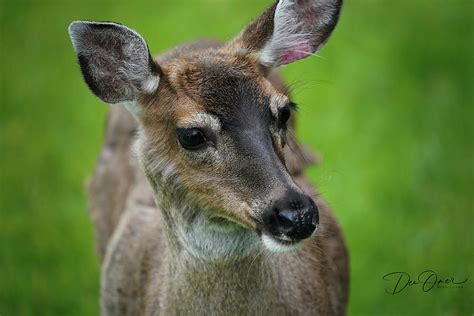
290, 30
114, 61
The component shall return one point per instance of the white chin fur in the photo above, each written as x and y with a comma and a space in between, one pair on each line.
274, 246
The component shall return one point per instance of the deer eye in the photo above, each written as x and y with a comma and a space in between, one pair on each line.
191, 138
284, 116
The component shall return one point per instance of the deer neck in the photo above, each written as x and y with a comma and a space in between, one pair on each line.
213, 269
219, 287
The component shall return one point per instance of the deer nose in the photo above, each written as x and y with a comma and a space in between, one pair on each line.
294, 217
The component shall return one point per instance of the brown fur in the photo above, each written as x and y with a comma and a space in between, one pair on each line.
168, 258
139, 261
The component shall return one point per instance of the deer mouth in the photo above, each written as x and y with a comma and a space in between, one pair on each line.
280, 244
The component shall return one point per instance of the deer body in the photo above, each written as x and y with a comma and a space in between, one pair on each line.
213, 216
141, 274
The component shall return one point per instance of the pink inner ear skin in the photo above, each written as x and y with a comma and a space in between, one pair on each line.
296, 53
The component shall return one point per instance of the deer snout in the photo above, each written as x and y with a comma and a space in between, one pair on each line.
291, 218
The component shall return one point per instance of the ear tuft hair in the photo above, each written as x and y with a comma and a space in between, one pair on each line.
291, 30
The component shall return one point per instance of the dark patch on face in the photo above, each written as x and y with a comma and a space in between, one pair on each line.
237, 101
231, 91
237, 97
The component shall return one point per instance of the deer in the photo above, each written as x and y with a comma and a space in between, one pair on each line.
198, 199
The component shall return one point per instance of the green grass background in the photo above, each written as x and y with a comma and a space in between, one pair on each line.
389, 106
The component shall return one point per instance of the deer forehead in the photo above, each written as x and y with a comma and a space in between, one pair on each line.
223, 85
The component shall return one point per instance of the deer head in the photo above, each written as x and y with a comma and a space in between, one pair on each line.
212, 126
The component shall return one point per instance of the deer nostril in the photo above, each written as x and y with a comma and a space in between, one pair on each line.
298, 224
286, 220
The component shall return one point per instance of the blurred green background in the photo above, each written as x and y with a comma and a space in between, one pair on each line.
389, 106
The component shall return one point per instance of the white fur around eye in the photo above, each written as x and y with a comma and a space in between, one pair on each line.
276, 103
201, 120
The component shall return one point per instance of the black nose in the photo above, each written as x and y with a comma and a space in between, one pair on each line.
294, 216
